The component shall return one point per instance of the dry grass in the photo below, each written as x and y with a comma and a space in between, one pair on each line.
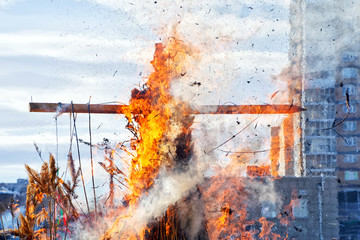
45, 191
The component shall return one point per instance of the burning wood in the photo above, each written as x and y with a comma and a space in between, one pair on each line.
161, 148
162, 139
258, 171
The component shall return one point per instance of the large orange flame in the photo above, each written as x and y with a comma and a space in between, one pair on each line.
225, 209
157, 107
151, 115
157, 121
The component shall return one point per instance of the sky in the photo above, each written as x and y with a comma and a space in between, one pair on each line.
71, 50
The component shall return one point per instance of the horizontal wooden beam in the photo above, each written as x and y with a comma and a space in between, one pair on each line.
202, 109
78, 108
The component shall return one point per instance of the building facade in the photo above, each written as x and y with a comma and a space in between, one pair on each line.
331, 97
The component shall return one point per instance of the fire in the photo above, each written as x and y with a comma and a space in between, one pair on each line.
150, 125
161, 135
258, 171
161, 128
225, 209
156, 106
286, 216
161, 142
266, 233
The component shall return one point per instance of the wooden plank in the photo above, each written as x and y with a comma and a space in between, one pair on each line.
203, 109
78, 108
247, 109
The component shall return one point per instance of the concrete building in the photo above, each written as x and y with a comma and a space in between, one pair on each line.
14, 190
347, 143
291, 207
313, 213
324, 79
331, 97
324, 74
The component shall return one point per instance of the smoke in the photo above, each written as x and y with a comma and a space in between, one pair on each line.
329, 39
160, 15
240, 45
263, 191
172, 187
176, 186
169, 188
230, 55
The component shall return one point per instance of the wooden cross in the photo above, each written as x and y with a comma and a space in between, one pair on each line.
207, 109
202, 109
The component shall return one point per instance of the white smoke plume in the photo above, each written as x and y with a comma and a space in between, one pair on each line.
230, 56
240, 44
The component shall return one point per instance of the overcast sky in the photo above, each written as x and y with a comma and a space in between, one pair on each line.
64, 50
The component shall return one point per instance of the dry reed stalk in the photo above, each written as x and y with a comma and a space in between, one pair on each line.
46, 183
92, 165
78, 150
71, 165
3, 226
12, 207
